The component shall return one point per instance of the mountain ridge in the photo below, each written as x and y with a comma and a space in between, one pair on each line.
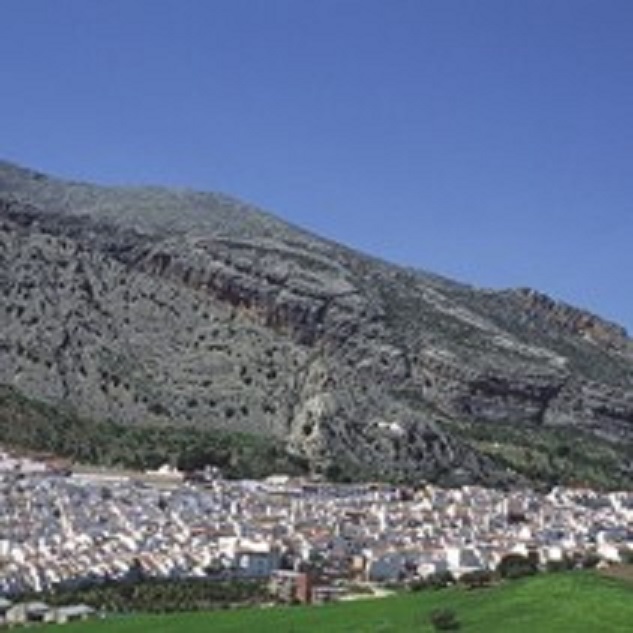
145, 305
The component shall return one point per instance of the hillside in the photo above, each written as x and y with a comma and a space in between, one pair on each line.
555, 603
155, 308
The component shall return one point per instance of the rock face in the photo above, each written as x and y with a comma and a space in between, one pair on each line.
156, 306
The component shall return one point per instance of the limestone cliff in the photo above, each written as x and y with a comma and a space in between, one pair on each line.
153, 306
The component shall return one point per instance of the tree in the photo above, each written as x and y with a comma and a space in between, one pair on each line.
516, 566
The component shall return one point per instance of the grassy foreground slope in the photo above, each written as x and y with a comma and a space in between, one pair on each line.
575, 602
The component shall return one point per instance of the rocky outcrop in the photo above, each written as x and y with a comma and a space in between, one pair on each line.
579, 323
152, 306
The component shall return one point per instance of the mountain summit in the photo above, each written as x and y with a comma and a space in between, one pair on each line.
158, 308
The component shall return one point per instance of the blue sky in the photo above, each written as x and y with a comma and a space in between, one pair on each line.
487, 140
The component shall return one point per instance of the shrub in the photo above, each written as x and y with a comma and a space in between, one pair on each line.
440, 579
589, 561
476, 579
626, 556
444, 620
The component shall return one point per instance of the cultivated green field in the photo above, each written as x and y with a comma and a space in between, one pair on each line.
577, 602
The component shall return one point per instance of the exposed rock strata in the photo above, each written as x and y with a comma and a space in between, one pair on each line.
147, 305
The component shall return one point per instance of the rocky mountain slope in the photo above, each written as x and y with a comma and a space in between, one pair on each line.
152, 307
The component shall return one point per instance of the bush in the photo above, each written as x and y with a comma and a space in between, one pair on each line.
419, 584
440, 579
554, 566
476, 579
589, 561
626, 556
444, 620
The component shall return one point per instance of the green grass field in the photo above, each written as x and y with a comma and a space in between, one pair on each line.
577, 602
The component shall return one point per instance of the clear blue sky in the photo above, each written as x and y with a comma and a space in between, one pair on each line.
487, 140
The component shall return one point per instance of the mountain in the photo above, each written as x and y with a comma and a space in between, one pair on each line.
154, 311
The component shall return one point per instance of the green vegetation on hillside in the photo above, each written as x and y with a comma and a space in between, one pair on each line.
159, 595
554, 457
34, 426
577, 602
544, 456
